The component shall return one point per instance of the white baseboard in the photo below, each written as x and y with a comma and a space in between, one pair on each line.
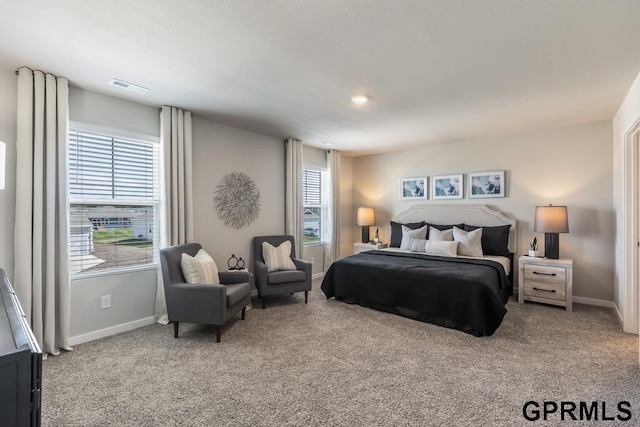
317, 276
593, 301
587, 301
102, 333
617, 310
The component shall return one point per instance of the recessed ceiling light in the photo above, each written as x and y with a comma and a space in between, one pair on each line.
129, 86
359, 99
327, 143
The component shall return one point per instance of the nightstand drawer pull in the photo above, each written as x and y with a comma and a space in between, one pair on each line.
544, 290
544, 274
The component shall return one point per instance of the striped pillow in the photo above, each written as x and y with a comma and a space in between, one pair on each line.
200, 269
278, 258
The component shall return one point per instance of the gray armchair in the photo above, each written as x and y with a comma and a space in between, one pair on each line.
206, 304
280, 282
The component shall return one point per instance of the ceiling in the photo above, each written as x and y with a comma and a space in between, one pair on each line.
436, 70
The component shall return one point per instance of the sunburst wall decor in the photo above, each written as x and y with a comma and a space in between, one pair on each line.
237, 200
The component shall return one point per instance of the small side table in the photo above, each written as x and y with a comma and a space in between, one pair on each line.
361, 247
548, 281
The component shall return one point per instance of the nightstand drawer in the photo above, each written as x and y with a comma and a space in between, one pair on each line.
544, 273
545, 290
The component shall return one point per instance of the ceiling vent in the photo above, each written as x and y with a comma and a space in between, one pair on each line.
128, 86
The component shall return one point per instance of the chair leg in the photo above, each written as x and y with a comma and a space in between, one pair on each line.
306, 296
244, 310
175, 329
263, 306
218, 331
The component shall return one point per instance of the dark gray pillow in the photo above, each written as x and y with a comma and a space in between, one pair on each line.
396, 231
495, 240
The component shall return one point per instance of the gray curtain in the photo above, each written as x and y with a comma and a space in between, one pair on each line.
332, 248
41, 271
293, 193
176, 218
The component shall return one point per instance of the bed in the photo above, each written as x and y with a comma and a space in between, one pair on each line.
464, 293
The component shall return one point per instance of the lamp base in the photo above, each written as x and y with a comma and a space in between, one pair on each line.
552, 245
365, 234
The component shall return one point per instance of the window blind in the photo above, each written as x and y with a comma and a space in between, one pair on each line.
109, 168
311, 187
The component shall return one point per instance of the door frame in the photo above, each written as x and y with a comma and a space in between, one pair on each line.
631, 228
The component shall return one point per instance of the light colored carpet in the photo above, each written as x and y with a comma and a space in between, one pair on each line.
328, 363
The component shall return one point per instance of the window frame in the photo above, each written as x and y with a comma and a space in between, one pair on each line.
155, 201
323, 206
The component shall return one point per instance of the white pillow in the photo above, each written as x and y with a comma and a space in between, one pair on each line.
441, 247
441, 235
200, 268
408, 235
470, 241
278, 258
418, 245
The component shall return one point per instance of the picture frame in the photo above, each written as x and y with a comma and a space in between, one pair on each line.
446, 187
413, 188
486, 184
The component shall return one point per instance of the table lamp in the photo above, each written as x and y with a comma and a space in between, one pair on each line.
551, 220
365, 217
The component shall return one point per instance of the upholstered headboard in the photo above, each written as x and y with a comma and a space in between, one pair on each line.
451, 214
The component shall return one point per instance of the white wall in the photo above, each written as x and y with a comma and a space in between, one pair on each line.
132, 304
624, 195
568, 166
217, 151
97, 109
8, 117
347, 211
132, 293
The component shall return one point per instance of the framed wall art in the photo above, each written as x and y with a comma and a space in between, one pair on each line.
486, 184
413, 188
444, 187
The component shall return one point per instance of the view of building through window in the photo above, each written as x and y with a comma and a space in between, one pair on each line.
114, 198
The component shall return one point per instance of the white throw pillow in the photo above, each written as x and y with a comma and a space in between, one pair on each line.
200, 269
278, 258
441, 247
441, 235
408, 235
418, 245
470, 241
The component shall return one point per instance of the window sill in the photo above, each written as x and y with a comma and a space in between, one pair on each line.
112, 272
306, 245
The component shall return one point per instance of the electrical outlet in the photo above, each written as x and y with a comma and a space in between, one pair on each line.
313, 260
105, 301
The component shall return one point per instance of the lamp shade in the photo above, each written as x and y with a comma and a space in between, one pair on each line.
365, 216
551, 219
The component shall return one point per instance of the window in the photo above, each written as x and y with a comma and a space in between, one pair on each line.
114, 199
314, 201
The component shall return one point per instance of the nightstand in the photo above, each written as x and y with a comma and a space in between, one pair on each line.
549, 281
361, 247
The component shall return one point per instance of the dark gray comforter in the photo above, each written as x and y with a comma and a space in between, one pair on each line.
459, 293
